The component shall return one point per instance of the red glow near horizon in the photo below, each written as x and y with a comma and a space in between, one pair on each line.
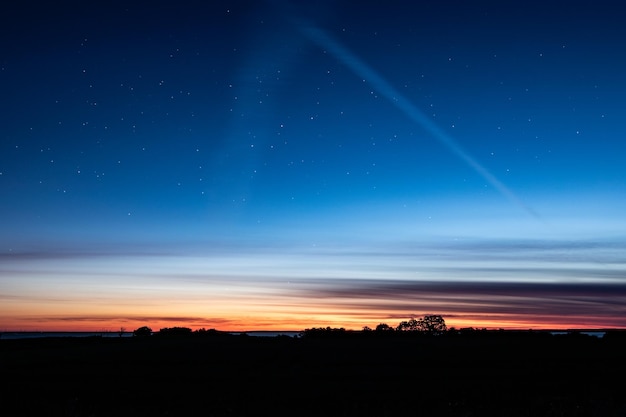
266, 324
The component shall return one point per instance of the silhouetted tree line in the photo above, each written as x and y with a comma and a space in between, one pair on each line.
435, 325
146, 331
431, 325
325, 332
428, 325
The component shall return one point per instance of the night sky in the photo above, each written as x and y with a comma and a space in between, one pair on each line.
273, 165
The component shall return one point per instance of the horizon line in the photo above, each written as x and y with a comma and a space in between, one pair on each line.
570, 329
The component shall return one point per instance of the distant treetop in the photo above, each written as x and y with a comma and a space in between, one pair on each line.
142, 331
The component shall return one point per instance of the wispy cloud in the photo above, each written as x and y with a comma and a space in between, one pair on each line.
512, 281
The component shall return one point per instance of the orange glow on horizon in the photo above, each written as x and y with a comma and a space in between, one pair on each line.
267, 323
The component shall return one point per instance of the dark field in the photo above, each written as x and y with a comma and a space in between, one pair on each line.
482, 374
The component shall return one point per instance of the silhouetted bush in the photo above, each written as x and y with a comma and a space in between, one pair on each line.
323, 332
615, 335
211, 333
174, 331
142, 331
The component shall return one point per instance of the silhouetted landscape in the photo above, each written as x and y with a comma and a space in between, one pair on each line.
322, 372
258, 165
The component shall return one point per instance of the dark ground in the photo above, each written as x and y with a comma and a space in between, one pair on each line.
482, 374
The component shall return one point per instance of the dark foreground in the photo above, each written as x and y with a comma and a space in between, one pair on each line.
488, 374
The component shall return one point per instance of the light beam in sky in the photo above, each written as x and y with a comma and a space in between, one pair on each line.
362, 69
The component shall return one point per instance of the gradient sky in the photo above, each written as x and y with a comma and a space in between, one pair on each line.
273, 165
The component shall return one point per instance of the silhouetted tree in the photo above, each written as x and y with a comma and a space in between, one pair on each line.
142, 331
410, 325
432, 324
384, 327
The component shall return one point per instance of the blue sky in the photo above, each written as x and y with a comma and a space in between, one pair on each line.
288, 165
